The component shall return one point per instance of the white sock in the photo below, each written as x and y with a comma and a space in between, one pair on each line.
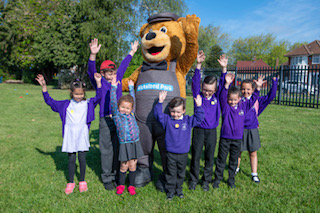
238, 169
255, 177
254, 174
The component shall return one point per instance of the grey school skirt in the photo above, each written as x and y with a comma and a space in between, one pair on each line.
250, 140
129, 151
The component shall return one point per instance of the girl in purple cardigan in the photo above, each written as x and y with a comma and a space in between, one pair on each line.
251, 139
76, 115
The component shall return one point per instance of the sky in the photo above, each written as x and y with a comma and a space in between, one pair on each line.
291, 20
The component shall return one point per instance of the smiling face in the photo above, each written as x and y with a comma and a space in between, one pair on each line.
125, 107
208, 89
233, 99
246, 90
158, 42
77, 94
109, 75
177, 112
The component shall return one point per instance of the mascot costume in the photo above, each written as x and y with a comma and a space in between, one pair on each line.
169, 47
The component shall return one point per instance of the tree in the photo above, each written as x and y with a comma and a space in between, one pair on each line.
213, 56
297, 45
248, 48
277, 51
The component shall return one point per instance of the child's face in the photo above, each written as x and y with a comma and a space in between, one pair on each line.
125, 107
78, 94
208, 89
109, 75
246, 90
177, 112
233, 99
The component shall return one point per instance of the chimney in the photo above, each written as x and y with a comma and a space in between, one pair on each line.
277, 62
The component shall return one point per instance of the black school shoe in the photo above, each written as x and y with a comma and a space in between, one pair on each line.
192, 185
215, 184
205, 186
255, 179
109, 185
180, 195
231, 184
170, 195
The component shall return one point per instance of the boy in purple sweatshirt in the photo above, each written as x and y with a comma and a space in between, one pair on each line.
178, 132
108, 141
233, 115
205, 134
251, 139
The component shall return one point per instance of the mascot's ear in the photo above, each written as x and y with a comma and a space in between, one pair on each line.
142, 30
180, 21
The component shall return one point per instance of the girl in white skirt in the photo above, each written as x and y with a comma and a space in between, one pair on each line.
76, 115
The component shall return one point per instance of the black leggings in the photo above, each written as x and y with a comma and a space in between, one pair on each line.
72, 165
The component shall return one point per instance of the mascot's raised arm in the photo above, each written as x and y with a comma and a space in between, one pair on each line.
169, 46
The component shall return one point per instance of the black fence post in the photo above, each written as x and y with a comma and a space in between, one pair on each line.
235, 76
280, 85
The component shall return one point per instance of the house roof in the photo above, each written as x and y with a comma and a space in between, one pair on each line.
251, 64
310, 49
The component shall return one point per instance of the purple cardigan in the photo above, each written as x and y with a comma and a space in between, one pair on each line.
105, 105
178, 132
251, 119
61, 107
211, 107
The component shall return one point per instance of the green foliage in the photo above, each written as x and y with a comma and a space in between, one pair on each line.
297, 45
136, 61
277, 52
211, 58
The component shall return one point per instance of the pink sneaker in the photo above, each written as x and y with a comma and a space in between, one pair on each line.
83, 186
69, 188
132, 190
120, 189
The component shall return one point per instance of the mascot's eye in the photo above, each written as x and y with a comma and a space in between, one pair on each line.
163, 29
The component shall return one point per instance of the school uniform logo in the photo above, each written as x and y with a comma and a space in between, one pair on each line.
241, 112
184, 127
214, 101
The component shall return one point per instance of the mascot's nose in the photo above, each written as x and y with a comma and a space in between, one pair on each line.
150, 36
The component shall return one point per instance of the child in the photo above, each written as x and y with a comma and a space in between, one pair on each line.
205, 133
233, 115
76, 115
251, 139
177, 138
128, 134
108, 141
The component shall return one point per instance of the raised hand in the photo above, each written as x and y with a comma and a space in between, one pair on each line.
41, 80
259, 82
229, 78
198, 100
223, 61
162, 96
130, 82
94, 46
134, 47
97, 77
200, 57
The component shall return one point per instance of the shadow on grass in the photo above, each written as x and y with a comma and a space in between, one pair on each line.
93, 156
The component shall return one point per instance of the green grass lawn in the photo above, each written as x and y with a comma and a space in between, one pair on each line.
33, 170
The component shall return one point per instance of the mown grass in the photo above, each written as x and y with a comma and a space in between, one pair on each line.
33, 170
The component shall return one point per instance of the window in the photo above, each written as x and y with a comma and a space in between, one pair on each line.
316, 59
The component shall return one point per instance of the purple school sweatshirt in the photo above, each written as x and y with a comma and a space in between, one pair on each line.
105, 106
61, 107
251, 118
211, 107
178, 132
233, 117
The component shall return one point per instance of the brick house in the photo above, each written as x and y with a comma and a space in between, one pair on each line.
305, 55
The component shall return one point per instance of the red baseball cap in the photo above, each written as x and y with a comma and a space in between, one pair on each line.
107, 64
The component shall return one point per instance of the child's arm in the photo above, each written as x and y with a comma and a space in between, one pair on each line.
255, 94
198, 116
55, 105
125, 62
196, 79
131, 90
224, 91
157, 111
264, 101
223, 63
94, 49
97, 98
113, 97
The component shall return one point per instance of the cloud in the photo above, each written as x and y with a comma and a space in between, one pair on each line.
295, 21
